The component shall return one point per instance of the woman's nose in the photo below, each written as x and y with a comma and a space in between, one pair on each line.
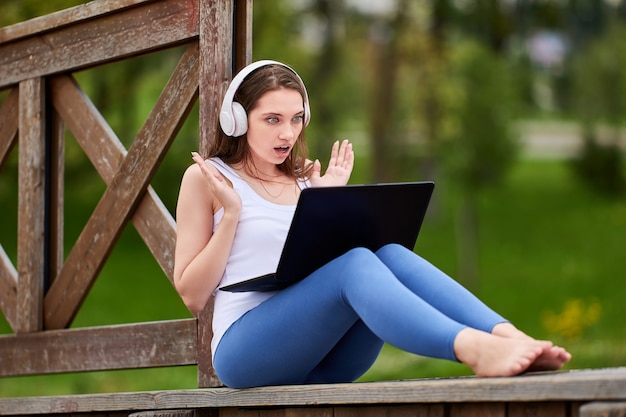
288, 131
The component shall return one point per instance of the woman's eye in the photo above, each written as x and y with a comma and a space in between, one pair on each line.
272, 120
298, 119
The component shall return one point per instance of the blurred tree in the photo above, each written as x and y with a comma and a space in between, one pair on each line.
480, 144
429, 60
600, 104
330, 14
311, 38
385, 35
490, 21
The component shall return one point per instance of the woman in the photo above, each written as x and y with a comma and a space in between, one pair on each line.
233, 213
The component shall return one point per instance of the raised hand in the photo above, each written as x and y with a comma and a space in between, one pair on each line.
339, 167
218, 185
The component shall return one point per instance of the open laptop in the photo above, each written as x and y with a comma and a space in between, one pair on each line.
329, 221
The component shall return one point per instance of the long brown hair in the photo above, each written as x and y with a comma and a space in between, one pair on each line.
235, 150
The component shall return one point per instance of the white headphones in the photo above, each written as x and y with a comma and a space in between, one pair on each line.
233, 117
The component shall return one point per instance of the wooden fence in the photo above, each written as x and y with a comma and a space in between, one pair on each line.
41, 295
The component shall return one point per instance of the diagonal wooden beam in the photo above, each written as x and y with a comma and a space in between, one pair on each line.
152, 220
8, 124
123, 194
8, 289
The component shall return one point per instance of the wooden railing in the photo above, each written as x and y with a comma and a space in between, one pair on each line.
41, 295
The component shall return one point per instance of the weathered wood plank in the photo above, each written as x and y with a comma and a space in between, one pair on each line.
143, 345
92, 132
604, 409
572, 386
8, 289
176, 413
411, 410
216, 66
243, 32
148, 26
538, 409
123, 194
482, 409
65, 17
152, 220
216, 44
8, 124
31, 205
207, 377
165, 413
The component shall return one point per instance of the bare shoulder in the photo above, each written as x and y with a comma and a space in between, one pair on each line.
194, 189
192, 173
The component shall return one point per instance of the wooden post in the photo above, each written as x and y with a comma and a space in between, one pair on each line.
225, 46
216, 28
31, 205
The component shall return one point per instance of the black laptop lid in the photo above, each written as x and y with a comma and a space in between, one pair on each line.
329, 221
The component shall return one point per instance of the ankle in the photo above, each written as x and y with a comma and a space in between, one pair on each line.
506, 329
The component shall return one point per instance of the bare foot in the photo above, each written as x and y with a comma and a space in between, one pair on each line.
550, 359
491, 355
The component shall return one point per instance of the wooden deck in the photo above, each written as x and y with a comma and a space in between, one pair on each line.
556, 394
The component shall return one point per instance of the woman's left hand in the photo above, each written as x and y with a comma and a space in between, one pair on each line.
339, 166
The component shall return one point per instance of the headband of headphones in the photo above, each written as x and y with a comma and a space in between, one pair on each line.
233, 117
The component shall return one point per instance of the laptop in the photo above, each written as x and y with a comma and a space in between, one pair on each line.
329, 221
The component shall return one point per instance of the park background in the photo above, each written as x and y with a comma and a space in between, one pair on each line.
513, 108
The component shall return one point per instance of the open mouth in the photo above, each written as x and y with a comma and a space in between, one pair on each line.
282, 150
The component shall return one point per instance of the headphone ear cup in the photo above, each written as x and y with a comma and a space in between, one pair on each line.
240, 119
227, 123
307, 113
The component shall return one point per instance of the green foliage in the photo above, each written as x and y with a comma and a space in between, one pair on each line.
479, 144
599, 91
600, 104
601, 167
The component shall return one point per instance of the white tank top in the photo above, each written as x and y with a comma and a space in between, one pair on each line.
259, 240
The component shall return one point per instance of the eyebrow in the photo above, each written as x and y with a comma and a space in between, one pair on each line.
273, 113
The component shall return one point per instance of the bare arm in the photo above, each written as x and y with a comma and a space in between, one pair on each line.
201, 254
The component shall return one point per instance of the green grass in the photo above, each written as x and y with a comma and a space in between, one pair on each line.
547, 247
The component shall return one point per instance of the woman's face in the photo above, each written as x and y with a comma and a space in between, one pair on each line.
274, 125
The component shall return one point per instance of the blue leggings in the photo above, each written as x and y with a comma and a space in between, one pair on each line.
330, 327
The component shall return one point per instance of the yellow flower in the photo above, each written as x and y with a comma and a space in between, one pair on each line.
574, 319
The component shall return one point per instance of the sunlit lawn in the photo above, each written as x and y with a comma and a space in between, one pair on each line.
551, 259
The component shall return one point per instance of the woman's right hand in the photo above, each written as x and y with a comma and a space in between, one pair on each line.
221, 189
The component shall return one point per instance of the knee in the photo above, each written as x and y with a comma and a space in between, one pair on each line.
358, 256
356, 261
396, 254
391, 249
